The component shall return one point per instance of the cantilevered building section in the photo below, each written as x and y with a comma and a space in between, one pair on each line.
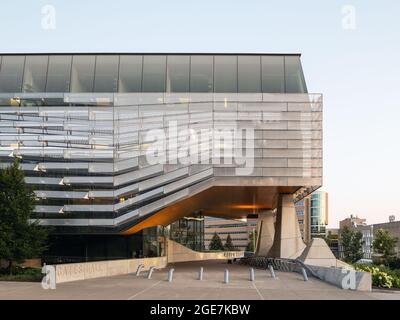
83, 126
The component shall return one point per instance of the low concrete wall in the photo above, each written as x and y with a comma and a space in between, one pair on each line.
180, 253
335, 276
89, 270
97, 269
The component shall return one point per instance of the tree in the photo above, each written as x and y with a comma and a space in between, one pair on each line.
329, 238
229, 244
20, 239
351, 242
252, 239
216, 243
384, 244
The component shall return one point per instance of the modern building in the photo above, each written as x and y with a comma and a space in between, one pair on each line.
367, 238
241, 231
119, 146
352, 221
318, 213
393, 227
312, 213
369, 232
359, 224
303, 216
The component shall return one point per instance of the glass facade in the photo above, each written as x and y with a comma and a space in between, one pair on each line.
178, 73
130, 73
82, 75
312, 214
249, 72
188, 231
35, 74
201, 74
106, 75
273, 74
152, 73
153, 242
225, 74
147, 243
294, 77
59, 74
154, 69
241, 232
11, 73
318, 214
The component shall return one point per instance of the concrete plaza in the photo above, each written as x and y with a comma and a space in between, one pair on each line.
186, 286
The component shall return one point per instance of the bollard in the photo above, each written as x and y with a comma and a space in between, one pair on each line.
304, 272
139, 268
170, 274
271, 270
150, 272
251, 274
200, 274
226, 276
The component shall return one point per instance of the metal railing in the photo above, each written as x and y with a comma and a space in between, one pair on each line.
281, 264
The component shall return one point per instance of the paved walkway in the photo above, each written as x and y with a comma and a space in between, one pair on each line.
186, 286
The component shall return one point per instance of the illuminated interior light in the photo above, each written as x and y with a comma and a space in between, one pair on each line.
248, 206
15, 102
193, 218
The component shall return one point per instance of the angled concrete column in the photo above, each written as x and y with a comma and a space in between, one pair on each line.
265, 232
287, 239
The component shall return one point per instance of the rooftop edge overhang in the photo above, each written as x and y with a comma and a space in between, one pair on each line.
152, 53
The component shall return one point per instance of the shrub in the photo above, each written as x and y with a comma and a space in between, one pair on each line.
395, 274
379, 278
396, 282
382, 279
21, 274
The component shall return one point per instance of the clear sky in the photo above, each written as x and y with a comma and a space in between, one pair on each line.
353, 59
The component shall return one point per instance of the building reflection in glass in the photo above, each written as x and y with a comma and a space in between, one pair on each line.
188, 231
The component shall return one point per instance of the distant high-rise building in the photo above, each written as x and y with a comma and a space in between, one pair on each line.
312, 214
